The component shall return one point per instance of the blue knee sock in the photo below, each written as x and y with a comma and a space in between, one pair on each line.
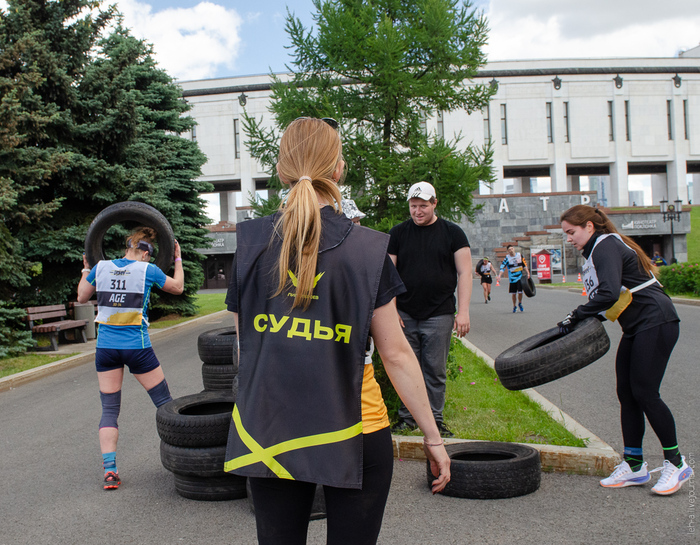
160, 394
109, 461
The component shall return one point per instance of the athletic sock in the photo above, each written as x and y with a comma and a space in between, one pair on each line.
634, 457
673, 455
109, 461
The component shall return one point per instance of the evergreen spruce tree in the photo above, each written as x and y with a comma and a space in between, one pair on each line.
95, 122
381, 68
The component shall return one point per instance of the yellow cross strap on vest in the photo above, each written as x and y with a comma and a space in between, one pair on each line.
267, 455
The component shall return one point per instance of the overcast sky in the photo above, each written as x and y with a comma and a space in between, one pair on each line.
197, 40
211, 39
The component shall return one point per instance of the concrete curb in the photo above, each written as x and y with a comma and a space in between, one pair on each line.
676, 300
13, 381
598, 458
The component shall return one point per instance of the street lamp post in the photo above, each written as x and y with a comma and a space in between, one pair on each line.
671, 212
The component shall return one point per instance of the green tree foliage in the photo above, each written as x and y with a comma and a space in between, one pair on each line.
87, 119
380, 68
14, 338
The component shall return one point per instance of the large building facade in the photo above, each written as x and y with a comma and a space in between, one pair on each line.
621, 132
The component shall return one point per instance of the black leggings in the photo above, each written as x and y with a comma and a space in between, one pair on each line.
283, 507
640, 366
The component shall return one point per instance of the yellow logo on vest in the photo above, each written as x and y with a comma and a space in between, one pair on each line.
295, 282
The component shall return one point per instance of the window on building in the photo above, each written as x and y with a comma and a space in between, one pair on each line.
550, 127
669, 119
627, 120
423, 123
685, 118
440, 125
487, 124
236, 140
504, 126
566, 122
611, 124
194, 133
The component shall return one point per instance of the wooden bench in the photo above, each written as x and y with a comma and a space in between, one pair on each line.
53, 318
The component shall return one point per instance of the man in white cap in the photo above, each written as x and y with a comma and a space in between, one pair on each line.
433, 258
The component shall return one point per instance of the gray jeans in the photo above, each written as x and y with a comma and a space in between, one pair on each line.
430, 340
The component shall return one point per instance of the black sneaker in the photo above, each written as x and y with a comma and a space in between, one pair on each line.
444, 430
402, 426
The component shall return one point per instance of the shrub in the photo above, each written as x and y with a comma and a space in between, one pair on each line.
14, 337
681, 278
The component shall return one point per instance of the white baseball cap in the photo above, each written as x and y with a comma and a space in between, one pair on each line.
421, 190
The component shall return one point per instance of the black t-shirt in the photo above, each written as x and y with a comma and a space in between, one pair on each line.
426, 263
390, 286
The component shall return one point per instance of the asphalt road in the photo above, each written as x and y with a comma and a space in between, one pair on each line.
50, 466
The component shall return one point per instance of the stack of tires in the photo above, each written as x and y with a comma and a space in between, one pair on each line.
193, 430
218, 350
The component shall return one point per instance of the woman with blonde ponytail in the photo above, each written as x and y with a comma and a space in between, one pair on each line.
620, 284
309, 289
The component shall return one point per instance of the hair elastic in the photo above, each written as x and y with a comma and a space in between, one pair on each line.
305, 178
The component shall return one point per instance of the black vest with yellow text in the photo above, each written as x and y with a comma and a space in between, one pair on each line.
298, 411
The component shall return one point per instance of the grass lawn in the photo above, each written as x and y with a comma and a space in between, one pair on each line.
693, 237
478, 407
208, 303
10, 366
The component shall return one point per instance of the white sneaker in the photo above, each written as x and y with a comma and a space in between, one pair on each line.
672, 477
624, 476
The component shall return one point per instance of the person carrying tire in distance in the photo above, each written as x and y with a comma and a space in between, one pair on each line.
620, 283
309, 288
516, 265
433, 258
485, 271
123, 289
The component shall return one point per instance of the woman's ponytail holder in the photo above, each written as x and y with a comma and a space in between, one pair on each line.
305, 178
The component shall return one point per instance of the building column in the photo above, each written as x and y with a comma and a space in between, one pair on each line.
619, 185
660, 189
696, 189
518, 185
676, 179
560, 182
575, 183
224, 209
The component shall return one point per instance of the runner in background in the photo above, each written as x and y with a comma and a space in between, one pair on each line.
516, 265
485, 271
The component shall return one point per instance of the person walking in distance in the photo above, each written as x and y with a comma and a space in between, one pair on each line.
621, 285
485, 271
515, 265
433, 258
307, 288
123, 289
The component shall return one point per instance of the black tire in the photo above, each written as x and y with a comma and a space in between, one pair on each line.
218, 377
219, 346
527, 286
550, 355
197, 420
491, 470
131, 211
221, 488
318, 508
193, 462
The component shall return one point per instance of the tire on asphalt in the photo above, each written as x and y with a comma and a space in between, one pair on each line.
221, 488
318, 508
196, 420
218, 377
491, 470
219, 346
550, 355
527, 285
193, 461
131, 211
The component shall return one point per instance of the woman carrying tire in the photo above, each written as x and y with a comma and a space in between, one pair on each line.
123, 289
619, 280
485, 271
309, 288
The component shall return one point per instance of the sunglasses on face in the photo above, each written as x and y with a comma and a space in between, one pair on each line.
332, 123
